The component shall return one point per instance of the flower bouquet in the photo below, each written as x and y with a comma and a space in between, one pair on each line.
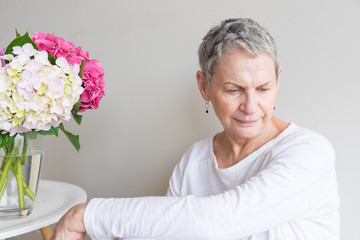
44, 81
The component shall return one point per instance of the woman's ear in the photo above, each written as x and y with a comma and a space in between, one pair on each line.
278, 78
202, 84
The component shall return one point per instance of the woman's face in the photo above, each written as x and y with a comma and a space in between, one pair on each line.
243, 92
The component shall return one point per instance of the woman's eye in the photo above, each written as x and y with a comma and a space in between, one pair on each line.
263, 89
233, 90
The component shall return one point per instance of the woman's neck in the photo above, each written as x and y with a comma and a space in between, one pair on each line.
229, 150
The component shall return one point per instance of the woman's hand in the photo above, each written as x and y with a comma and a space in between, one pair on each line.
71, 225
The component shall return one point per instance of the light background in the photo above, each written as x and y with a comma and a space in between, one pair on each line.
152, 110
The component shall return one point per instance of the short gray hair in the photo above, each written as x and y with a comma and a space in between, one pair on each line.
235, 34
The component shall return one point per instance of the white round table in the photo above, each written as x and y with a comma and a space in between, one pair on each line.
53, 200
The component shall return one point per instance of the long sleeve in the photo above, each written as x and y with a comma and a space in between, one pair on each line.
294, 183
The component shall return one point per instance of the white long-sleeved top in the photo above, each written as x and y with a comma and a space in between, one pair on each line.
285, 190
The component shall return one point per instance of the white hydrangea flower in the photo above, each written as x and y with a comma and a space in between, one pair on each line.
5, 80
35, 95
42, 58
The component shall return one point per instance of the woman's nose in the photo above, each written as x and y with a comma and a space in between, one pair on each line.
250, 105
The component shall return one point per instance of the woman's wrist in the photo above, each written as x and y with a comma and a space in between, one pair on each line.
78, 214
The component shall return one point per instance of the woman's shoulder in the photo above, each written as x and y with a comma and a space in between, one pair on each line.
294, 133
303, 141
201, 147
199, 151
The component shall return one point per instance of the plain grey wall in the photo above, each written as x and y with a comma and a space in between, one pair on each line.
152, 110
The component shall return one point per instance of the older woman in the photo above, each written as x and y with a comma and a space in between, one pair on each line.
261, 178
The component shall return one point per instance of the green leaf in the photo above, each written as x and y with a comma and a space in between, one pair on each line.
52, 131
20, 41
76, 106
17, 33
77, 117
5, 139
82, 65
74, 139
52, 59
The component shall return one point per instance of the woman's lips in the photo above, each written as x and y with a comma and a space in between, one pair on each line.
247, 122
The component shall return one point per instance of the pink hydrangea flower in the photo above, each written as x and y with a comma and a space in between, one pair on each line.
58, 47
2, 52
93, 84
93, 73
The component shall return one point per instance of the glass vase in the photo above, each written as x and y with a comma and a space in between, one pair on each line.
20, 169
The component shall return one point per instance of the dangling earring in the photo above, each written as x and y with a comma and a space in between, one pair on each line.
206, 107
274, 107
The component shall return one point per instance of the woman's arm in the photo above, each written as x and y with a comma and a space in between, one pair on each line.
301, 178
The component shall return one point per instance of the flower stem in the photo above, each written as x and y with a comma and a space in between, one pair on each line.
4, 174
20, 179
27, 190
25, 144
